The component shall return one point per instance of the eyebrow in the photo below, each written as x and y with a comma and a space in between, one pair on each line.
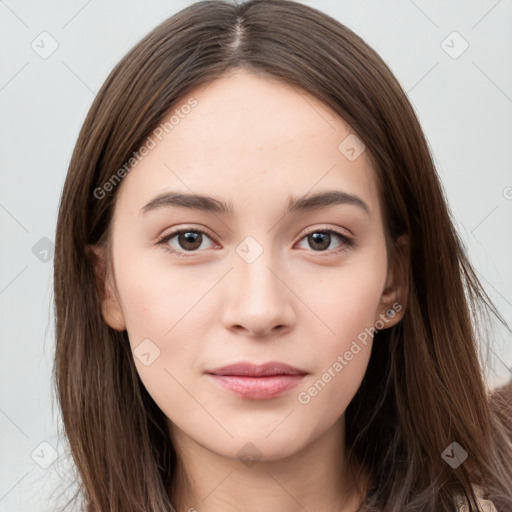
295, 204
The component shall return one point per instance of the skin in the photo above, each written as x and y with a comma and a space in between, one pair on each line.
252, 141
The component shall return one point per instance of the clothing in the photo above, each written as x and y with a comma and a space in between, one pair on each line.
485, 505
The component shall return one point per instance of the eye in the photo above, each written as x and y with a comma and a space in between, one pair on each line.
320, 240
190, 240
187, 240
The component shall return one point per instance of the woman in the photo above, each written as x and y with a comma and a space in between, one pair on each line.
260, 294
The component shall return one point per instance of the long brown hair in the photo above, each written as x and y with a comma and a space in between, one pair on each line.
424, 388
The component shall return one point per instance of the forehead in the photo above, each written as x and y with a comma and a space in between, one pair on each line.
247, 138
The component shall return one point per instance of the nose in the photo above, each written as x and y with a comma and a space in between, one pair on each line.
258, 301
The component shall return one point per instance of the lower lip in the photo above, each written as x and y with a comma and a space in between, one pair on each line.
258, 388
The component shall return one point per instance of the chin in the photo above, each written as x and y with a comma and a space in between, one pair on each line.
251, 446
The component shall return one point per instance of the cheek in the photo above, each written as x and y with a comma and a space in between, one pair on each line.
327, 394
157, 299
341, 363
348, 305
165, 321
169, 311
345, 299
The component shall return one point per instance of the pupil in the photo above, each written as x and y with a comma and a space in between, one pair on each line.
319, 238
191, 238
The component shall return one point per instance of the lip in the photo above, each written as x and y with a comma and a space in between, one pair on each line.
244, 369
257, 382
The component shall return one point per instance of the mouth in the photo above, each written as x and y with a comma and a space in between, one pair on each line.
257, 382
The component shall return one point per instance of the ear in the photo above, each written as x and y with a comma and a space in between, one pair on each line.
394, 296
107, 292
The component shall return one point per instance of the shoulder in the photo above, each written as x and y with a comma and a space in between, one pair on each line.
485, 505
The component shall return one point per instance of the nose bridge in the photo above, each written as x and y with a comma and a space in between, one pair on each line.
258, 298
255, 282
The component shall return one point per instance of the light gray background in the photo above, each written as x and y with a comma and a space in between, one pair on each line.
463, 103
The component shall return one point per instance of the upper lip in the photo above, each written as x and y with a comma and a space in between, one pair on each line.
252, 370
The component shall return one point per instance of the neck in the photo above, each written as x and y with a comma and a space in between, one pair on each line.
317, 478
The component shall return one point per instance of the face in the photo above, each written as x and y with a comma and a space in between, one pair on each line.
273, 275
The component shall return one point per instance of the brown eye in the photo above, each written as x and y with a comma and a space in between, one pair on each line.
320, 240
186, 240
190, 240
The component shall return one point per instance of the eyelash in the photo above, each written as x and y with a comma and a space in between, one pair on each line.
347, 242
